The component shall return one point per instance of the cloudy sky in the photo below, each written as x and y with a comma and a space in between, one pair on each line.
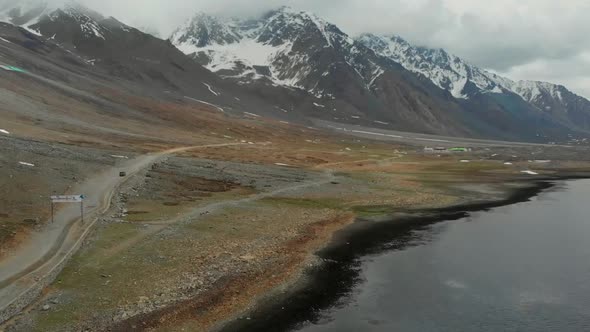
523, 39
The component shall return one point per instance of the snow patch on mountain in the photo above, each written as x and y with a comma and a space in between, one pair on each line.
247, 51
376, 74
232, 48
28, 13
453, 74
211, 89
25, 12
260, 49
322, 27
531, 90
445, 70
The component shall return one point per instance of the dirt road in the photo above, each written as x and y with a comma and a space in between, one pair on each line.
45, 252
212, 208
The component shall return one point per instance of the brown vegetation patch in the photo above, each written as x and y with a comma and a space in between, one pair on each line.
234, 292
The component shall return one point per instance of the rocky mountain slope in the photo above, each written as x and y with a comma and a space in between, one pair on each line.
284, 47
386, 81
291, 64
299, 51
464, 80
113, 50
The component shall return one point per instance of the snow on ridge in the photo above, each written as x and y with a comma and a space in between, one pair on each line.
445, 70
40, 9
91, 28
531, 90
458, 87
213, 29
243, 50
37, 10
452, 73
322, 27
24, 7
250, 53
247, 50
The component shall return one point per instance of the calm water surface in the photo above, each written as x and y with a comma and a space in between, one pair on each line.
524, 267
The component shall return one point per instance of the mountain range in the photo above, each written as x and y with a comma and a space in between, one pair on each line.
293, 64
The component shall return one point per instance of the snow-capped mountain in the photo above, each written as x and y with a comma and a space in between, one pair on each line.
286, 47
109, 45
464, 80
295, 61
383, 78
452, 73
25, 13
298, 50
31, 14
447, 71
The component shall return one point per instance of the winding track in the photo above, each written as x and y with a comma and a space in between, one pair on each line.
24, 274
46, 251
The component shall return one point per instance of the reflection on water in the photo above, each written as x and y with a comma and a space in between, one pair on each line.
524, 267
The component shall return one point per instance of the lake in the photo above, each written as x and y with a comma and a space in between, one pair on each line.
524, 267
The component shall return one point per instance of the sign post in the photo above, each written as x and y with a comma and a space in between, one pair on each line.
68, 199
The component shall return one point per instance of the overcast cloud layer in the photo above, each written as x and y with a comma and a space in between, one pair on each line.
544, 40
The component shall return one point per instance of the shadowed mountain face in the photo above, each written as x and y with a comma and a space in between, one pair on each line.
465, 81
293, 64
125, 51
121, 53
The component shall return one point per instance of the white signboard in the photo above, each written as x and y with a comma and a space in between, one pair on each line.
67, 199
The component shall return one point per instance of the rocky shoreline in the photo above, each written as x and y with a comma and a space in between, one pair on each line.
322, 284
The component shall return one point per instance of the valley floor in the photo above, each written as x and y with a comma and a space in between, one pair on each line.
200, 236
218, 211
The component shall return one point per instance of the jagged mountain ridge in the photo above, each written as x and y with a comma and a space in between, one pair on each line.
115, 51
450, 72
123, 50
279, 47
299, 50
463, 80
229, 45
129, 53
26, 12
445, 70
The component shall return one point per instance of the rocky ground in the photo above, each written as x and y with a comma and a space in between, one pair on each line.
193, 241
31, 172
